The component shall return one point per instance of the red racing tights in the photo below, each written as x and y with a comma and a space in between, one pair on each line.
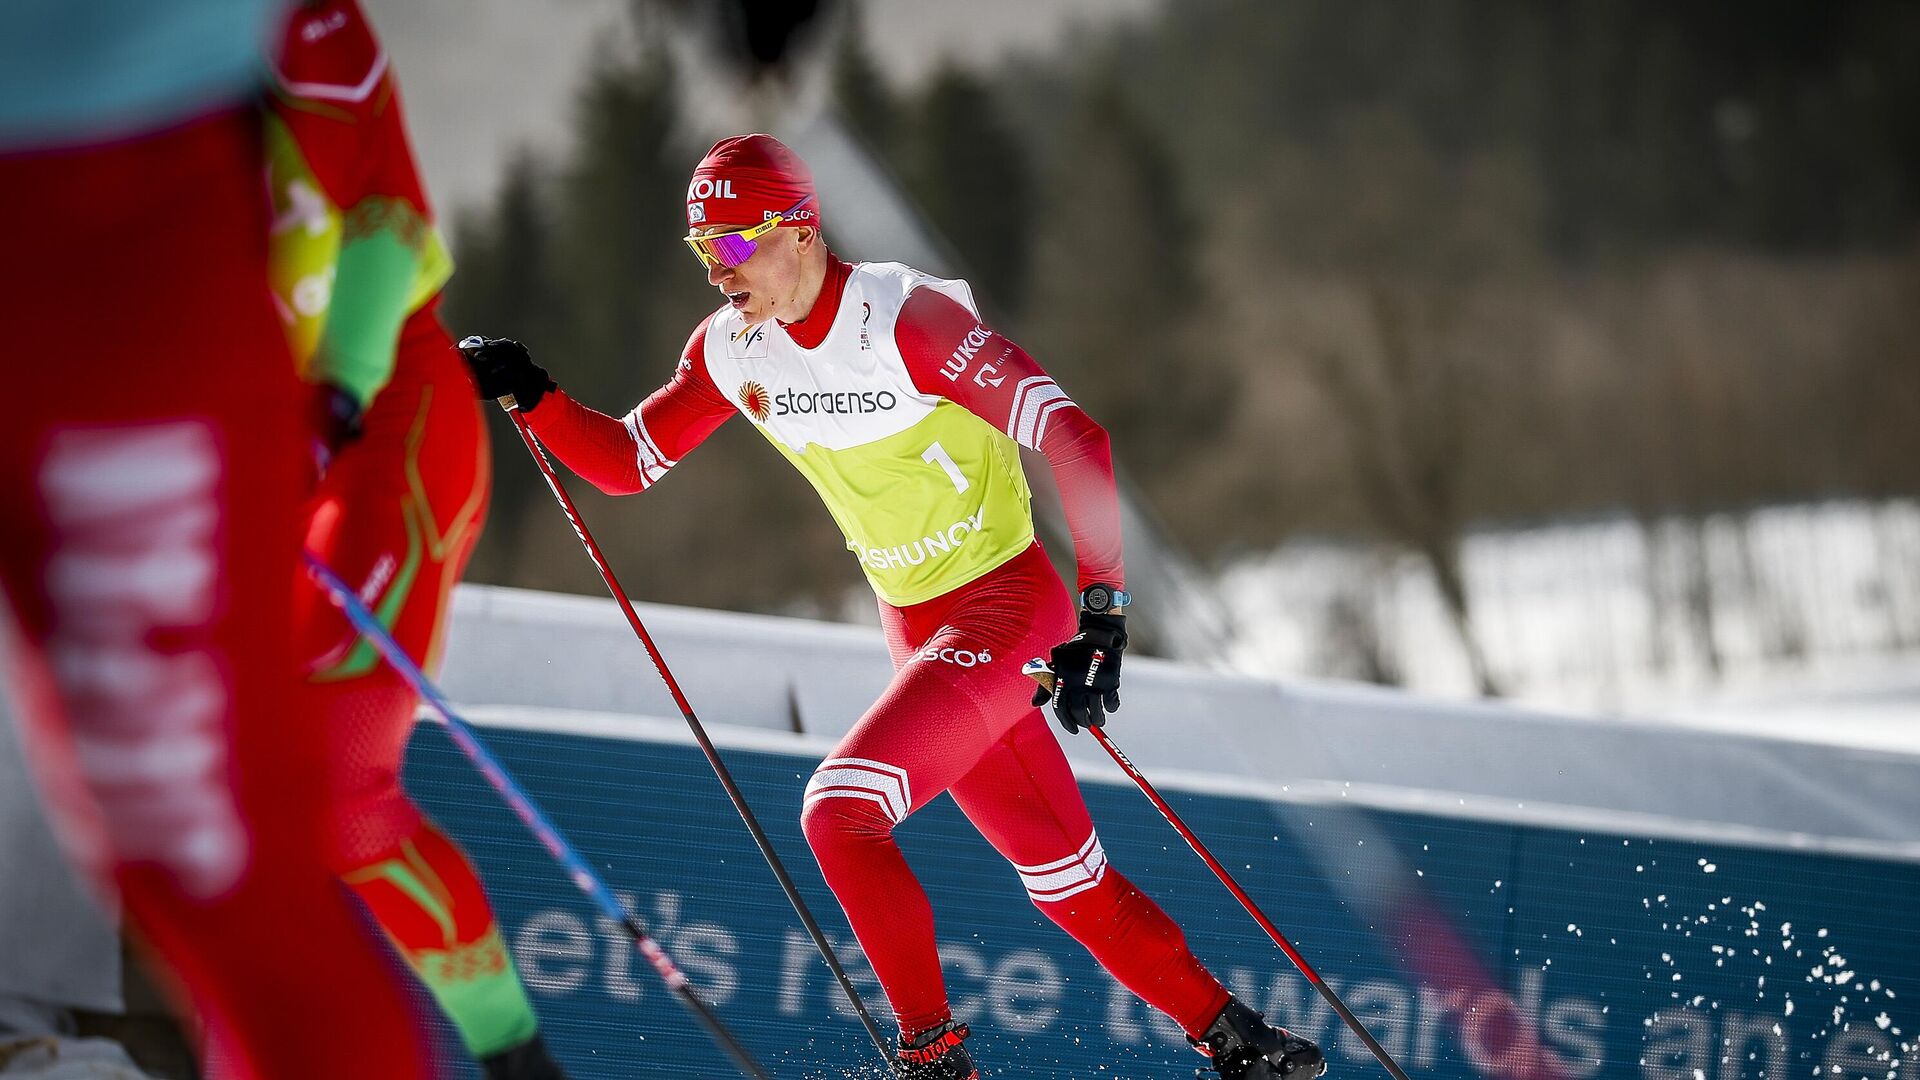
151, 482
397, 517
957, 718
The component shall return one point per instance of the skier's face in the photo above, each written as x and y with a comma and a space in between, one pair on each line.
768, 284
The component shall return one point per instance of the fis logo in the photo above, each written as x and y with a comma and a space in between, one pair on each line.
754, 399
706, 187
748, 342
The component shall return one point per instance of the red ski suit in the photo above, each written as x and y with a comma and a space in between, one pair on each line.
400, 509
957, 717
152, 473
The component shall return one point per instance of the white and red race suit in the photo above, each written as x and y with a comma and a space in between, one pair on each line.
906, 413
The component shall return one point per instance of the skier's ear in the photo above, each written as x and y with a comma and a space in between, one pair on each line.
805, 237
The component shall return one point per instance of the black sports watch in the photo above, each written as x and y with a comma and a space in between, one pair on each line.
1103, 599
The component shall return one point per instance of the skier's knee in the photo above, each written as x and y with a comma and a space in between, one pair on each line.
853, 799
837, 820
1052, 886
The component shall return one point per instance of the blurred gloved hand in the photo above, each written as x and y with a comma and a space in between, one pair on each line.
334, 421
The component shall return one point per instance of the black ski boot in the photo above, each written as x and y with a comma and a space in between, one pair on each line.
528, 1061
937, 1055
1244, 1046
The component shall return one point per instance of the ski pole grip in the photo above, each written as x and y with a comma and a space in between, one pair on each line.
1037, 670
474, 341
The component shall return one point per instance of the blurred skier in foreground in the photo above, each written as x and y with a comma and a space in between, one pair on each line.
358, 267
152, 476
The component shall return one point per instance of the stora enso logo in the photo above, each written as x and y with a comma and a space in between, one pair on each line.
754, 398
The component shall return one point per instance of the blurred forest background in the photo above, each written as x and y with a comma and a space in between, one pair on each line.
1340, 275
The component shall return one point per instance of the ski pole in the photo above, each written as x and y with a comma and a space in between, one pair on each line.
1039, 671
523, 806
699, 731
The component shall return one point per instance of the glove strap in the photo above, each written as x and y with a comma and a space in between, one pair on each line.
1109, 631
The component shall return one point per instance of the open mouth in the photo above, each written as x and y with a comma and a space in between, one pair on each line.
738, 299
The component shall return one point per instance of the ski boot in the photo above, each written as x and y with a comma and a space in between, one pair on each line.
527, 1061
936, 1055
1244, 1046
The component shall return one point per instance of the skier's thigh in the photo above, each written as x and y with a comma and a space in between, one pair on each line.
925, 732
1023, 798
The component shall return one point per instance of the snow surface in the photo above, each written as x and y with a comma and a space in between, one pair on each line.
1814, 624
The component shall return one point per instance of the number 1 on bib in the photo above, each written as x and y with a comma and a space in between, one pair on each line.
937, 455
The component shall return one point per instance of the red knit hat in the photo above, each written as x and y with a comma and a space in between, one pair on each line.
748, 178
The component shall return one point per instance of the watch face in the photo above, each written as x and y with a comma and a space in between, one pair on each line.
1097, 598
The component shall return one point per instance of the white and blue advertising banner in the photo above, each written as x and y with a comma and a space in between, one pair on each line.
1472, 947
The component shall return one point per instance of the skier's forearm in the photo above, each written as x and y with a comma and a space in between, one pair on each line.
1081, 457
598, 448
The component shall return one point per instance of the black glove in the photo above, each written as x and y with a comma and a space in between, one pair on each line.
1086, 673
335, 416
503, 367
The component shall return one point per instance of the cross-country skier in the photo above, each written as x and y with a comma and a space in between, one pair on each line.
907, 413
358, 266
152, 474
